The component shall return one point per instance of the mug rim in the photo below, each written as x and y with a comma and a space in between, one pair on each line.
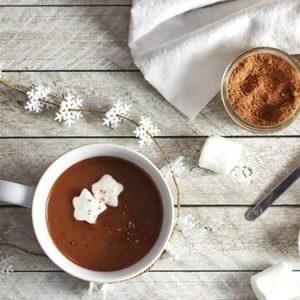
39, 219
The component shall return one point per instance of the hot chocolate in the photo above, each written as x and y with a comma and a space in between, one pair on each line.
122, 235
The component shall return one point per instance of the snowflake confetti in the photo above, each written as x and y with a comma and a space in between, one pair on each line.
144, 130
176, 167
96, 287
91, 288
112, 117
66, 111
173, 250
35, 95
242, 173
6, 265
245, 173
186, 223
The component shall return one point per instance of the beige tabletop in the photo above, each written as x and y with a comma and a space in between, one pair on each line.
82, 45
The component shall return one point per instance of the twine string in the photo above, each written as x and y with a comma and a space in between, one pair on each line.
8, 85
49, 103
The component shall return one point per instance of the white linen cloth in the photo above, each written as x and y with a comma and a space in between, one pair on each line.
182, 47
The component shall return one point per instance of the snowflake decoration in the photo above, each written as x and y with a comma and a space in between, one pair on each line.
67, 109
102, 287
242, 174
35, 95
245, 173
112, 117
145, 130
173, 250
6, 266
186, 223
176, 167
91, 288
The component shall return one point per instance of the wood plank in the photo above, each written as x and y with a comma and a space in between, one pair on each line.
65, 2
101, 90
167, 286
221, 240
65, 38
269, 160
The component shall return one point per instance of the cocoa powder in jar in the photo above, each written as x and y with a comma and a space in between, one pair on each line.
264, 89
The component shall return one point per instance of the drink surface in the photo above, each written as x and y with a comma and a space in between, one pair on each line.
122, 235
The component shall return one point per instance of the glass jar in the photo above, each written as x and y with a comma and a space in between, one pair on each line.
225, 98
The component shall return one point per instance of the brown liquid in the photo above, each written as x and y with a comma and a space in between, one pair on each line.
122, 235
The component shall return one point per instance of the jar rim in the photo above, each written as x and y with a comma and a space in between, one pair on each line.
225, 98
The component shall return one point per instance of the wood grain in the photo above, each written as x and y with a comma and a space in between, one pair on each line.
269, 160
65, 38
160, 286
222, 239
223, 250
101, 90
65, 2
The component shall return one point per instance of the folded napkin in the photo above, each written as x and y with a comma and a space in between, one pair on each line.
182, 47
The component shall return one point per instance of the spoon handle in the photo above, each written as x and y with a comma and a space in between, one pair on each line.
265, 203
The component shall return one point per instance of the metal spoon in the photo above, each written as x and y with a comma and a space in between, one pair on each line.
261, 206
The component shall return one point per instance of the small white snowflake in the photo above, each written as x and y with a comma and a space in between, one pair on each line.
66, 112
91, 288
244, 173
112, 118
173, 250
144, 130
104, 290
186, 223
34, 96
176, 167
6, 265
98, 287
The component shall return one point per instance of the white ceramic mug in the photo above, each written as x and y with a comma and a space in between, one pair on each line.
37, 198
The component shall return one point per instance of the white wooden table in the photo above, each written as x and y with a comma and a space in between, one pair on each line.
83, 45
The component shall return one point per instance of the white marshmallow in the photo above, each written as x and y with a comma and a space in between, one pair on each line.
220, 155
275, 283
87, 208
107, 189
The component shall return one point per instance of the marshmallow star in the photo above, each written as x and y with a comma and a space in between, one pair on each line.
107, 190
87, 208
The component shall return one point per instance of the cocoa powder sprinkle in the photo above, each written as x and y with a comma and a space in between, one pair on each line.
264, 89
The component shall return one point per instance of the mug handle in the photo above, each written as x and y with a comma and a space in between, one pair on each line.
15, 193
